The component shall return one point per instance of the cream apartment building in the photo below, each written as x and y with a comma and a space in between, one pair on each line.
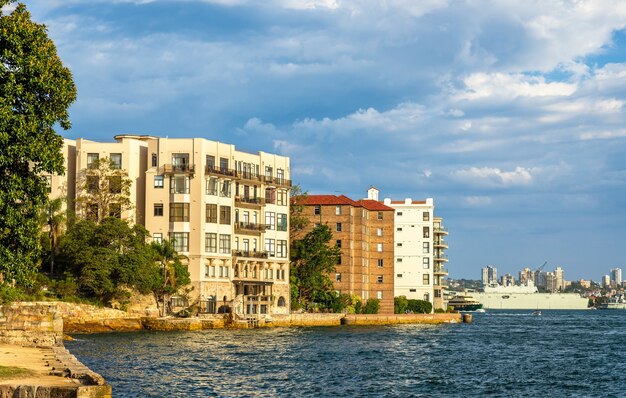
225, 210
419, 251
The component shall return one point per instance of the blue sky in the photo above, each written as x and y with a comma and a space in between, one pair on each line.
509, 114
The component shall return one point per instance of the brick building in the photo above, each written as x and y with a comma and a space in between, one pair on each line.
364, 230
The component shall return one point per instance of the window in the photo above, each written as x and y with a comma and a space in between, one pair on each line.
210, 162
426, 279
398, 275
380, 215
270, 220
339, 260
93, 184
426, 232
48, 183
157, 237
224, 244
338, 227
282, 222
225, 191
269, 246
338, 210
412, 290
426, 216
380, 263
426, 297
92, 160
179, 184
380, 295
379, 279
270, 195
269, 172
180, 161
180, 241
280, 176
115, 210
159, 181
281, 301
224, 164
115, 184
426, 262
437, 293
281, 248
399, 229
282, 198
317, 210
338, 277
399, 244
158, 209
399, 213
211, 213
179, 212
399, 260
92, 212
425, 247
380, 247
154, 160
211, 186
339, 243
116, 161
225, 215
379, 232
210, 242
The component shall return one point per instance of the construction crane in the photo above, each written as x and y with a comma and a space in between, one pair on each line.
542, 265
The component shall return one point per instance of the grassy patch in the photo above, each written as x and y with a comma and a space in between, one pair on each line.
8, 372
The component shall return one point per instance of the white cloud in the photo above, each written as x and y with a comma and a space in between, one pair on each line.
477, 201
602, 135
495, 176
511, 86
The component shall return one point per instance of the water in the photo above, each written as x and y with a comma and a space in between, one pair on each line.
502, 354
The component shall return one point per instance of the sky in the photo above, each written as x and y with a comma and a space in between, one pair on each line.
510, 114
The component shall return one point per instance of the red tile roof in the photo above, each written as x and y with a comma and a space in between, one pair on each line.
333, 200
373, 205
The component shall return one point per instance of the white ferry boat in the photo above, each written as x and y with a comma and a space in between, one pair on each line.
615, 303
526, 297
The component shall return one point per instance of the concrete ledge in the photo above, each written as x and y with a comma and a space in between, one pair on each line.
366, 319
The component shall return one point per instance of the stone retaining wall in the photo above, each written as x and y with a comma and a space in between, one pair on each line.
306, 320
84, 318
35, 324
366, 319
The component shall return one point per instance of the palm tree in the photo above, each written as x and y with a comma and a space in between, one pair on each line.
54, 217
168, 258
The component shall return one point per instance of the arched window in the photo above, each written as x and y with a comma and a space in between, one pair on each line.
281, 301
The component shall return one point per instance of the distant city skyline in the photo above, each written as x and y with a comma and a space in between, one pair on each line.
510, 115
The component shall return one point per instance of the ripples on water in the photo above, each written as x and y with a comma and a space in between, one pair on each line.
514, 354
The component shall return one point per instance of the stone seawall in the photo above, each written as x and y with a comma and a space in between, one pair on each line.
84, 318
31, 335
366, 319
31, 325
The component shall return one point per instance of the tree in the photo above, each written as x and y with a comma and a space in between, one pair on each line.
173, 274
371, 306
103, 190
35, 93
312, 261
297, 220
400, 305
420, 306
53, 216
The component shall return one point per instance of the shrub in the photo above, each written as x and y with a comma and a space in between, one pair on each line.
371, 307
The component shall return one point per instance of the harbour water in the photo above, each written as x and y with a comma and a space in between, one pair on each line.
501, 354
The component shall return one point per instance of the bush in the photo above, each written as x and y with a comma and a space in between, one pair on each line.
400, 305
9, 294
420, 306
371, 307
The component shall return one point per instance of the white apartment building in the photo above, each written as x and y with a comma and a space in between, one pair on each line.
616, 277
418, 261
225, 210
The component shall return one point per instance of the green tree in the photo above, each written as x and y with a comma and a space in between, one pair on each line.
297, 220
103, 190
171, 274
420, 306
312, 261
400, 305
53, 217
371, 306
35, 93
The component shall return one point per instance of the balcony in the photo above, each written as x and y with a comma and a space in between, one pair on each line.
250, 228
250, 254
441, 257
249, 202
248, 176
441, 244
219, 171
441, 230
270, 180
188, 169
440, 271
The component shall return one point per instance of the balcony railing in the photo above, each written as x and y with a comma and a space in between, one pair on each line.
248, 200
249, 254
441, 243
177, 169
277, 181
441, 230
247, 226
440, 271
246, 175
220, 171
441, 257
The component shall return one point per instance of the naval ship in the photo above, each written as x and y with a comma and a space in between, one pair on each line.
527, 297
